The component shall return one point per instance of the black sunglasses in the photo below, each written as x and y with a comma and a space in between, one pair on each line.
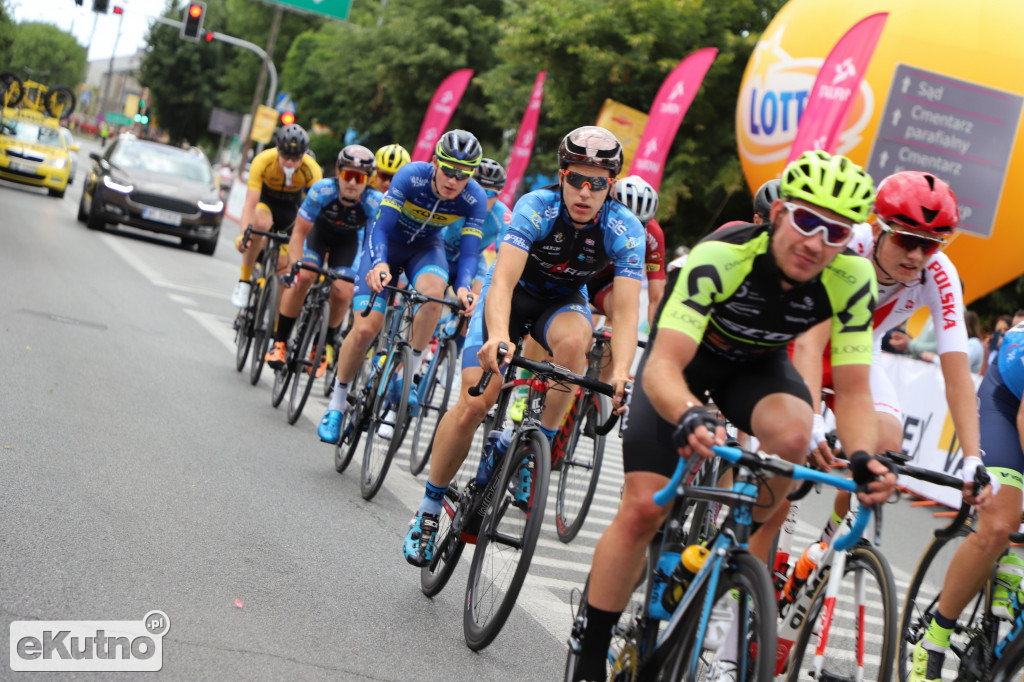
591, 182
453, 172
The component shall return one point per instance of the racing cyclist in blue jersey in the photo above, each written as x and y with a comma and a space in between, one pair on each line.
330, 220
407, 233
559, 238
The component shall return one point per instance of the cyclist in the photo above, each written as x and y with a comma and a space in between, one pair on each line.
640, 198
389, 159
278, 177
559, 237
744, 293
331, 219
916, 213
407, 233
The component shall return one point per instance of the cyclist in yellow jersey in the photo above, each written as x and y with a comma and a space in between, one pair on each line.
745, 292
389, 159
278, 180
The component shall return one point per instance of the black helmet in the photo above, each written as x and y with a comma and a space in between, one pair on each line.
459, 146
765, 197
593, 146
490, 174
357, 156
292, 140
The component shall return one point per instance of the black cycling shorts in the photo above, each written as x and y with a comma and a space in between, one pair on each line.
282, 212
341, 247
735, 388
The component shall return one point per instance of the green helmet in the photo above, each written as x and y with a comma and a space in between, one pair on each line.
832, 182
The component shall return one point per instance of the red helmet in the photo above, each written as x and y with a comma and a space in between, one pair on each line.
917, 201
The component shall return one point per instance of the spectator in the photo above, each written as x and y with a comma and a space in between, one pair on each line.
1018, 317
924, 342
1003, 324
895, 341
975, 348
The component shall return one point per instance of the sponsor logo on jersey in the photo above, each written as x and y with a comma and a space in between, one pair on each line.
632, 242
390, 202
472, 232
535, 219
588, 242
551, 212
559, 237
516, 240
418, 181
743, 309
946, 295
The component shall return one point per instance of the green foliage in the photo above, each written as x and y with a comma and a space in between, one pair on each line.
52, 56
6, 32
326, 147
182, 80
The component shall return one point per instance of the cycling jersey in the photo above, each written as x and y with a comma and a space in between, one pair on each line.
1011, 360
999, 399
729, 299
654, 255
563, 257
495, 224
938, 288
337, 227
411, 212
267, 177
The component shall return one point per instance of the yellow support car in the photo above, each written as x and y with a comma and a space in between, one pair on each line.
33, 151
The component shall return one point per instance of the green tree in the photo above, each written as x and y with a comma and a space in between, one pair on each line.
377, 74
44, 53
6, 33
182, 78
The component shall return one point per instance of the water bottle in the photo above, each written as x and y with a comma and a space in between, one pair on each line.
692, 560
483, 472
805, 565
667, 561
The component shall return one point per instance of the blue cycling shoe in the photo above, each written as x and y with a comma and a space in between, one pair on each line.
330, 427
419, 541
522, 486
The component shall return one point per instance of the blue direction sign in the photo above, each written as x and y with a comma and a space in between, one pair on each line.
336, 9
284, 103
960, 131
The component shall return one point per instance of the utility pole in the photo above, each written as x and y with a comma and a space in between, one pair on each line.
110, 68
268, 63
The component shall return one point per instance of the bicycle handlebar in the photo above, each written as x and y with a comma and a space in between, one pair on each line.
481, 385
329, 274
415, 297
760, 462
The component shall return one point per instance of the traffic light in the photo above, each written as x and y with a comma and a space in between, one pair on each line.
287, 118
192, 27
100, 6
209, 36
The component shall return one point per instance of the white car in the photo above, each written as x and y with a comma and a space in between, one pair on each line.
72, 145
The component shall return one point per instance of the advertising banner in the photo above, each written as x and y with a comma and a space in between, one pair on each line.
442, 106
523, 147
627, 124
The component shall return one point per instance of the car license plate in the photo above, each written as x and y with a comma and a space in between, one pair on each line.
158, 215
23, 167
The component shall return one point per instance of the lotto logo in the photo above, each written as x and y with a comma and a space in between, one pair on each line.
89, 645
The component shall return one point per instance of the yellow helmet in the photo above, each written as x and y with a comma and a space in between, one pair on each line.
830, 181
390, 158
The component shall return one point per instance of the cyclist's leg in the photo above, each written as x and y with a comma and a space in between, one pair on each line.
262, 220
564, 329
343, 250
619, 554
428, 273
292, 299
601, 299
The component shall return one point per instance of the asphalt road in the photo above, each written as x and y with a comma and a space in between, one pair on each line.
139, 471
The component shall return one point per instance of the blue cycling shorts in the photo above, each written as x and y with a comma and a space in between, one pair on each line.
423, 256
1000, 440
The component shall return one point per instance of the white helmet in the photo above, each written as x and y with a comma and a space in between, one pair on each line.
638, 196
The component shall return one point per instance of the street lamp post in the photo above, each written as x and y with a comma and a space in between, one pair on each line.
110, 68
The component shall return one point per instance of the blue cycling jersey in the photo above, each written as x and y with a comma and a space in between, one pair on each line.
564, 257
1011, 360
411, 211
494, 227
325, 210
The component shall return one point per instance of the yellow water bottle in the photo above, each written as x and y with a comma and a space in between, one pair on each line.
690, 563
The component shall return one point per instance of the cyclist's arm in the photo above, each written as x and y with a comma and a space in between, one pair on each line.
469, 244
379, 229
962, 401
808, 351
626, 295
655, 292
252, 197
296, 245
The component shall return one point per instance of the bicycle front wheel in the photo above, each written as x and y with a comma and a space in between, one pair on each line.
923, 600
507, 539
386, 410
448, 544
435, 392
308, 355
860, 637
745, 589
581, 466
244, 329
263, 331
352, 425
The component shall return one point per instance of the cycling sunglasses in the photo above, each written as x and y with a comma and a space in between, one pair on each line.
453, 172
809, 223
385, 176
289, 157
909, 242
591, 182
348, 175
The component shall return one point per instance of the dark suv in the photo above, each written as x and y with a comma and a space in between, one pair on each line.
154, 187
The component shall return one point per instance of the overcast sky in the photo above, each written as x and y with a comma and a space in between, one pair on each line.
138, 15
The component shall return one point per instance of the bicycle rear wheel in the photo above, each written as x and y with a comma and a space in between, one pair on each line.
263, 330
308, 355
581, 467
448, 545
507, 539
922, 600
746, 589
435, 392
386, 409
244, 329
864, 611
282, 377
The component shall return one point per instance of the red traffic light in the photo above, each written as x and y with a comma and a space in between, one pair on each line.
287, 118
118, 10
195, 11
209, 36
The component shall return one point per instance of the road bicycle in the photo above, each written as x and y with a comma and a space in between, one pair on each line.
670, 638
485, 512
983, 646
578, 449
58, 101
308, 343
434, 391
380, 393
254, 324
